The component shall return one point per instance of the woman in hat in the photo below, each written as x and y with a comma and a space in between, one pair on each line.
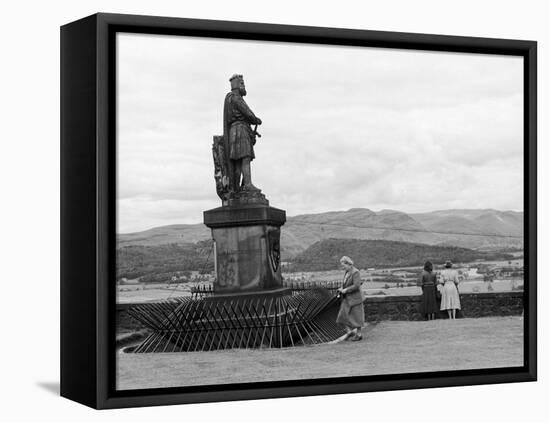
352, 313
428, 283
450, 300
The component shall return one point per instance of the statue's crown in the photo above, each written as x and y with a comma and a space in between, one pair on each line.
235, 76
236, 81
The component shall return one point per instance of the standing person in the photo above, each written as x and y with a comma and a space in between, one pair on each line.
352, 312
450, 300
428, 282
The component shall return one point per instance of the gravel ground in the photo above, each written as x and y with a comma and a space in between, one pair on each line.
388, 347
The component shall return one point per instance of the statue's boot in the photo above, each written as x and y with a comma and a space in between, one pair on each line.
250, 187
247, 179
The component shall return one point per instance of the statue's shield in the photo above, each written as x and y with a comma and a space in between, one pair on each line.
274, 241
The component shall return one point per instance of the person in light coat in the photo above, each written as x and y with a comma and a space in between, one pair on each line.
352, 313
450, 300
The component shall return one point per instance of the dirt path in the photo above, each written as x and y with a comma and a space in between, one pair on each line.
389, 347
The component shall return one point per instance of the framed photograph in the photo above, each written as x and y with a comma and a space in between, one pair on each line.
259, 211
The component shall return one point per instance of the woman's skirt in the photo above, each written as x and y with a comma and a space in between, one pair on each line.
449, 297
429, 304
352, 317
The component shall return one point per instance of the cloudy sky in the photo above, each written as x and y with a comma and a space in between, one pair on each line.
342, 127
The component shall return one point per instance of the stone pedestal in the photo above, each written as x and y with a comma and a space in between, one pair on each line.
247, 248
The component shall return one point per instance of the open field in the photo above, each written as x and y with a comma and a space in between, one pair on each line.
139, 292
388, 348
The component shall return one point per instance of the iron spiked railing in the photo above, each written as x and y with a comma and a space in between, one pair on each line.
299, 286
210, 323
206, 290
201, 291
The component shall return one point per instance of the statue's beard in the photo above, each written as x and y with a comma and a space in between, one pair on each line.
242, 91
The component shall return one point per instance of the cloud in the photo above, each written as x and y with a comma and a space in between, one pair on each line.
343, 127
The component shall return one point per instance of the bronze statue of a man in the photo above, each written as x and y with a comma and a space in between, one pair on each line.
239, 135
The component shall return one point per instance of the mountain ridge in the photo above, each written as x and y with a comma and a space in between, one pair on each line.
467, 228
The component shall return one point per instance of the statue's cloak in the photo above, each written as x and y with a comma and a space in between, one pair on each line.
228, 164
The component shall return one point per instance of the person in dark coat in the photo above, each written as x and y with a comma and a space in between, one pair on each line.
351, 313
428, 282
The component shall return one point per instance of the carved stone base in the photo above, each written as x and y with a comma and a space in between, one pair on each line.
247, 247
245, 197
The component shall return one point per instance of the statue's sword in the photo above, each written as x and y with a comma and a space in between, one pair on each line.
255, 132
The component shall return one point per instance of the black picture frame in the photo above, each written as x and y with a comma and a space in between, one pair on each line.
88, 209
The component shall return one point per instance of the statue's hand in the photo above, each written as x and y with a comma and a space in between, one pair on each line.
258, 121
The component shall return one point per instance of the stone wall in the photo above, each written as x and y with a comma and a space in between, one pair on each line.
473, 305
401, 308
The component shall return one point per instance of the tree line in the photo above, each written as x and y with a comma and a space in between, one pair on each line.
160, 263
325, 254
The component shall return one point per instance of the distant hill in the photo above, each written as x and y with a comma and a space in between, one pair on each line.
353, 223
325, 254
465, 228
158, 263
485, 221
477, 229
172, 234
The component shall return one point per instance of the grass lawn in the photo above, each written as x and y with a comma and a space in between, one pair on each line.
388, 347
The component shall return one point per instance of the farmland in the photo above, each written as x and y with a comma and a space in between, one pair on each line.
387, 281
